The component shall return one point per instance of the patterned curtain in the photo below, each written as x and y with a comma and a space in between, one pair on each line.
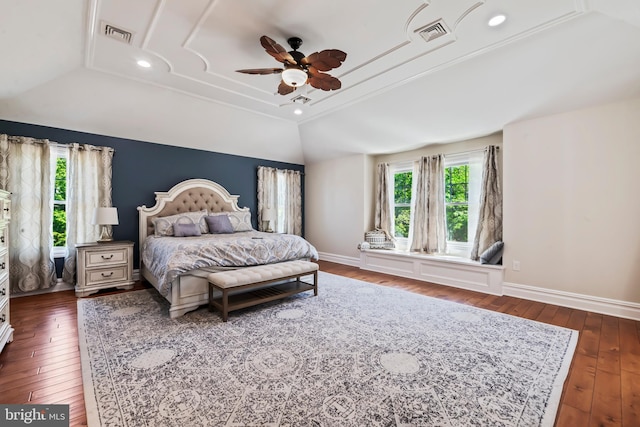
25, 171
88, 187
290, 191
384, 194
280, 196
267, 192
428, 210
489, 228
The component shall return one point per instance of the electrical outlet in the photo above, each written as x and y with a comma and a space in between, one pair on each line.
516, 265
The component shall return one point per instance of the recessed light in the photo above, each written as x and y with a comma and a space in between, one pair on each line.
144, 64
497, 20
297, 111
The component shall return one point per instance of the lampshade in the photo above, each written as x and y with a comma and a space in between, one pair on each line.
105, 216
268, 214
294, 77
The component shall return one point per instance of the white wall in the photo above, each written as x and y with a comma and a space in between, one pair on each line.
571, 201
338, 200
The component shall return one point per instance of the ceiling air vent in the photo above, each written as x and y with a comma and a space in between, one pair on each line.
301, 99
433, 30
117, 33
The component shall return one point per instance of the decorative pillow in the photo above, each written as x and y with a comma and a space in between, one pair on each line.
163, 226
493, 254
186, 230
241, 221
219, 224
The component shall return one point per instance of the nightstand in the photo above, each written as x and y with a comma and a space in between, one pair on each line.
103, 265
6, 330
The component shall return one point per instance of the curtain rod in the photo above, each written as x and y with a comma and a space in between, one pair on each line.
58, 144
445, 155
471, 151
278, 169
94, 147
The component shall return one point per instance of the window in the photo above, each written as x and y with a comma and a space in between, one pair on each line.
280, 190
402, 186
462, 180
456, 194
59, 167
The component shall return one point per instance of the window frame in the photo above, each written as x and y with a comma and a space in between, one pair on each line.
398, 168
455, 160
56, 153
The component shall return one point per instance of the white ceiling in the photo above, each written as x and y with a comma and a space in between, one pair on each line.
398, 92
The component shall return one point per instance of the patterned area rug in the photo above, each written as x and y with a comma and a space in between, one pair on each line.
358, 354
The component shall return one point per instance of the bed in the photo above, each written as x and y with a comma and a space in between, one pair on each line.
178, 266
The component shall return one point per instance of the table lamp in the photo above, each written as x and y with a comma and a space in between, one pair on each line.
104, 217
267, 217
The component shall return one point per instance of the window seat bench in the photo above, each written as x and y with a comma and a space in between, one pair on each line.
441, 269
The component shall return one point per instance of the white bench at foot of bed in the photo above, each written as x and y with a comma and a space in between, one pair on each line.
250, 286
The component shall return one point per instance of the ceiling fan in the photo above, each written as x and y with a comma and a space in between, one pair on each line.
300, 69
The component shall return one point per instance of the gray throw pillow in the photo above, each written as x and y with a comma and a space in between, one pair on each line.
219, 224
493, 254
186, 230
240, 220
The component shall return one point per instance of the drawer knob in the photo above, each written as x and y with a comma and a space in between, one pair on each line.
6, 209
107, 257
2, 266
3, 291
2, 239
3, 318
109, 274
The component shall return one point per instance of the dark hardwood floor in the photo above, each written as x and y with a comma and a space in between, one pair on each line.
42, 364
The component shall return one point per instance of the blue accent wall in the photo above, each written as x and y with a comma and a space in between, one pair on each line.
142, 168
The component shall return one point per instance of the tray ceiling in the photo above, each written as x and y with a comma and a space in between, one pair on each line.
195, 46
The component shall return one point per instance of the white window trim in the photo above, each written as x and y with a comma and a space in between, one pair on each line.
462, 248
402, 243
57, 152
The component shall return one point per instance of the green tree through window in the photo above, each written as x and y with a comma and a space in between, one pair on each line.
456, 181
59, 204
402, 203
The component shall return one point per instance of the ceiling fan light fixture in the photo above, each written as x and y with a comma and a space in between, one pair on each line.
294, 77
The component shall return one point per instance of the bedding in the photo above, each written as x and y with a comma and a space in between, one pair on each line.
167, 257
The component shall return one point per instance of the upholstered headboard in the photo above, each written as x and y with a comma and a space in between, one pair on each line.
191, 195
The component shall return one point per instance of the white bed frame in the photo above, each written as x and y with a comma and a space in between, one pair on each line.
190, 290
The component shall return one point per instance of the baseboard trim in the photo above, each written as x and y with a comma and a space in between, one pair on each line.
339, 259
611, 307
58, 287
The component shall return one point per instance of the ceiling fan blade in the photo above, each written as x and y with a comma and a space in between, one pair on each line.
261, 71
285, 89
324, 81
277, 51
325, 60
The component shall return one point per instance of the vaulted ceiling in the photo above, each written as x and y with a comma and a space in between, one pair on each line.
417, 71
